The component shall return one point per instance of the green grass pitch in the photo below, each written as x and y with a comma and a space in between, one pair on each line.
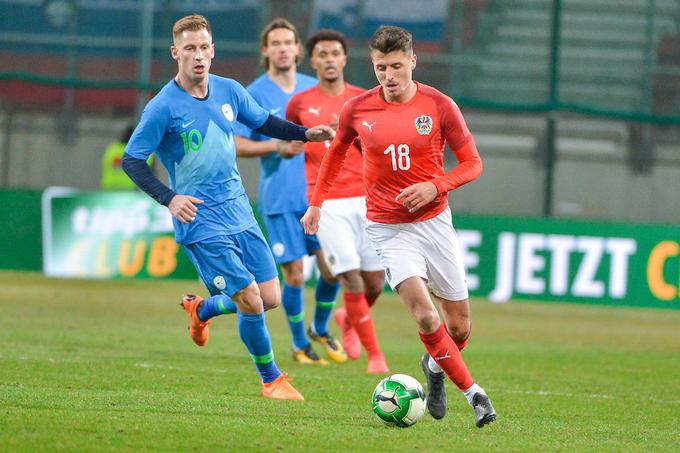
102, 366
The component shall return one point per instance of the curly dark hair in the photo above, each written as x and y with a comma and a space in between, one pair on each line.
325, 34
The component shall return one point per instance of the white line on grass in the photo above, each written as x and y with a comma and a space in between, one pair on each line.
572, 395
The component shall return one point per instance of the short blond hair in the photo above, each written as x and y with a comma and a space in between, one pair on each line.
194, 22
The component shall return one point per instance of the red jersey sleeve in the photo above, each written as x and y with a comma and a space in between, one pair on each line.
335, 156
459, 138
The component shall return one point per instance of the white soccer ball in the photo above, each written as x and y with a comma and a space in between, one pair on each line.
399, 400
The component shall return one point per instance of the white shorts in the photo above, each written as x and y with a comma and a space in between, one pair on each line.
427, 249
342, 235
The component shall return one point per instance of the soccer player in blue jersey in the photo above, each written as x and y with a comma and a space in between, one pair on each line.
282, 194
189, 126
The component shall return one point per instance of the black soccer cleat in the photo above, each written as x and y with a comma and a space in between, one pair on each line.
436, 390
484, 411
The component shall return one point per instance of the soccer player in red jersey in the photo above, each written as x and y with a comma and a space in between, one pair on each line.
342, 230
403, 125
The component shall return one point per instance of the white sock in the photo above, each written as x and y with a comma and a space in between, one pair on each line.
472, 391
434, 366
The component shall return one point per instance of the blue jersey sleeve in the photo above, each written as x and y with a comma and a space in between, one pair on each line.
149, 132
250, 113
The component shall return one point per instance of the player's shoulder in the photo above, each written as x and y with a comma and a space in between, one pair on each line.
432, 92
261, 82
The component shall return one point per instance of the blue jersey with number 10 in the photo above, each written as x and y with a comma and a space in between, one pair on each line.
194, 139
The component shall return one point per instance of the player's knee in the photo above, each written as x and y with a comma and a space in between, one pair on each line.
270, 304
427, 320
249, 301
373, 291
294, 279
352, 282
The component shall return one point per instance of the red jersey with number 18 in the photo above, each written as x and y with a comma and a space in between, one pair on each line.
402, 144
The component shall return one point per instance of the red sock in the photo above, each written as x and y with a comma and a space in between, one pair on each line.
360, 318
371, 302
445, 352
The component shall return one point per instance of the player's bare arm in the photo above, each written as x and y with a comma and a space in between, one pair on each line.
183, 208
310, 221
290, 149
417, 195
251, 148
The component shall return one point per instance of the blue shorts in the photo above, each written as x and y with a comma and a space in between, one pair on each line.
228, 263
287, 237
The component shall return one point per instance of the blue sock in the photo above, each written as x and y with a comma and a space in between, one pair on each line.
215, 306
294, 306
254, 334
325, 301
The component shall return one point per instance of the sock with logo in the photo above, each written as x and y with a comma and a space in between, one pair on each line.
445, 352
325, 301
254, 334
215, 306
360, 318
293, 304
433, 366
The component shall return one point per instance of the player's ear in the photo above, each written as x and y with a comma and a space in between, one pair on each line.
414, 57
173, 52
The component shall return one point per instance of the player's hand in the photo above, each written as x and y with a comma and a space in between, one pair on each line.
183, 208
310, 221
418, 195
289, 149
320, 133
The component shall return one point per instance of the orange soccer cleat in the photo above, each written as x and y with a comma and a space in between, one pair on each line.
198, 330
281, 389
350, 338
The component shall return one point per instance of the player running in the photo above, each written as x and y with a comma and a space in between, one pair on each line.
342, 229
403, 126
282, 199
189, 126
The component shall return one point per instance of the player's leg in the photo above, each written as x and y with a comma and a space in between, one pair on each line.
374, 283
206, 260
361, 321
341, 230
254, 283
288, 245
446, 279
439, 345
218, 303
326, 290
255, 335
457, 319
372, 271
